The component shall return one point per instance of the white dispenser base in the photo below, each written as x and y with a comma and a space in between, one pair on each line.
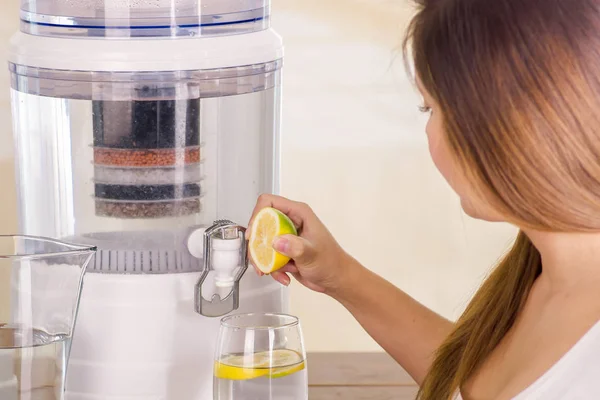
154, 346
8, 389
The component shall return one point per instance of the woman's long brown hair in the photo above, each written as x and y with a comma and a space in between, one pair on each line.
518, 85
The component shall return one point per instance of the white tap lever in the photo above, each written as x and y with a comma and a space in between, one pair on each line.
224, 251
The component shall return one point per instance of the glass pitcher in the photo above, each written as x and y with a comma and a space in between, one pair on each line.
260, 357
40, 285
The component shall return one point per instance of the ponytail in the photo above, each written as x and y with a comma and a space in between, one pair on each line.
487, 319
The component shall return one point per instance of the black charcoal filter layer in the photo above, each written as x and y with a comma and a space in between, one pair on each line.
146, 124
146, 192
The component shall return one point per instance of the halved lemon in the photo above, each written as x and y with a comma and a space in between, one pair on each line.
268, 224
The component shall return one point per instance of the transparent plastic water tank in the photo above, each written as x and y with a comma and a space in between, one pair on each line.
135, 160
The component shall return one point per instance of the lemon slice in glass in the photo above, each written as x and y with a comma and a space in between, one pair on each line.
242, 367
285, 362
274, 364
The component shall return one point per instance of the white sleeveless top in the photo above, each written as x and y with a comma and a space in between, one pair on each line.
576, 376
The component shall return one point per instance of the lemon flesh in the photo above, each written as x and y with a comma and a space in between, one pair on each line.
286, 362
274, 364
244, 367
268, 224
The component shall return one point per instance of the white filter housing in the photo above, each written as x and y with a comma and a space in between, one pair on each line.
137, 125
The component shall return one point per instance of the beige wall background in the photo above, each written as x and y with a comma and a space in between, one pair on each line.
354, 148
9, 22
8, 221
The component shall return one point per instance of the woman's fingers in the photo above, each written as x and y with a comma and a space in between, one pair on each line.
295, 247
290, 268
281, 277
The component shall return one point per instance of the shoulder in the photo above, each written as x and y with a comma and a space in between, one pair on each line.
574, 376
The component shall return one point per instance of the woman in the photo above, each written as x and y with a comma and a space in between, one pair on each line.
513, 92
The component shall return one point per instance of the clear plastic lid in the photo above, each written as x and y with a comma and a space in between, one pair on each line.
143, 18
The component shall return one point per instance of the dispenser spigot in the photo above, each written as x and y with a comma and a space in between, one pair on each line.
224, 251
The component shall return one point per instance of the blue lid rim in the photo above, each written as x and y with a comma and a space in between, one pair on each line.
149, 27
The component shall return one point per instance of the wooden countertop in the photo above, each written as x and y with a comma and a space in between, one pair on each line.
358, 376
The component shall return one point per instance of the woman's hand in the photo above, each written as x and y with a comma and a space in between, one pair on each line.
317, 260
407, 330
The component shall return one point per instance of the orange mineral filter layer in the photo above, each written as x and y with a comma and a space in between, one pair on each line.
146, 157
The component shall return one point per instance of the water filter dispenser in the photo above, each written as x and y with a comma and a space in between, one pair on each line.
148, 128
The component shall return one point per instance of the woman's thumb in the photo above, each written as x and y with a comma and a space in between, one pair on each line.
295, 247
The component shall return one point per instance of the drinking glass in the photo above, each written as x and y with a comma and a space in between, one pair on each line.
40, 286
260, 357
